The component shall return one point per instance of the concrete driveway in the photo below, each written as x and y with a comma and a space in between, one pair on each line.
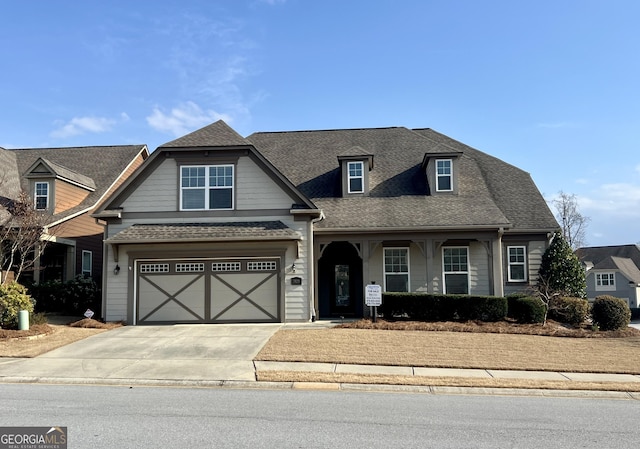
177, 353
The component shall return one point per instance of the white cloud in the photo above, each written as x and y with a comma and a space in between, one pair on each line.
183, 119
619, 199
82, 125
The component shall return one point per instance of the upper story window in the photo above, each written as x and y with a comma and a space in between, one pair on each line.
41, 196
444, 175
605, 281
517, 257
206, 187
355, 176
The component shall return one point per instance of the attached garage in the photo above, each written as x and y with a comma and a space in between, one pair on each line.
208, 290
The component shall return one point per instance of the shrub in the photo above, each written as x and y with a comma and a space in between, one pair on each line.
13, 299
610, 313
526, 309
432, 307
72, 297
566, 309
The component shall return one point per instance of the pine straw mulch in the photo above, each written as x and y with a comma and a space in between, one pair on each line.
550, 329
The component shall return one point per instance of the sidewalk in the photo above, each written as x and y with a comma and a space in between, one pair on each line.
443, 372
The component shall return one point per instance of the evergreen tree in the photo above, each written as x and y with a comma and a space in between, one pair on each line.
560, 271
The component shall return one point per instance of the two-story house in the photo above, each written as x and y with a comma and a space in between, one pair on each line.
613, 271
291, 226
67, 185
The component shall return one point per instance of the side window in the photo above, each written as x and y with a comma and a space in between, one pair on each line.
605, 281
455, 268
517, 257
355, 177
87, 263
41, 197
396, 269
444, 175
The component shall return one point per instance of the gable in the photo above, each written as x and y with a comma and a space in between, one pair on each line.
157, 188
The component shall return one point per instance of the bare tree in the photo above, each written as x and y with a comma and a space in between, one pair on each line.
21, 236
573, 223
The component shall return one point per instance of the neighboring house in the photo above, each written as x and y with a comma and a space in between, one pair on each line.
291, 226
68, 184
612, 270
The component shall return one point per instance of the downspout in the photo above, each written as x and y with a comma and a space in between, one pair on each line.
312, 265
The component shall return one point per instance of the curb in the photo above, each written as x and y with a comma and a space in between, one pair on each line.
324, 386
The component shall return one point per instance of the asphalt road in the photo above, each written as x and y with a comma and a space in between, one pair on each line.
109, 417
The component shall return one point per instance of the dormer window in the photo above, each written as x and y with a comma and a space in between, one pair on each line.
355, 172
444, 175
355, 177
41, 196
442, 171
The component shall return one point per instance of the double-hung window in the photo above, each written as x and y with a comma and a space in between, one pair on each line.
455, 267
355, 177
41, 197
396, 269
517, 257
206, 187
87, 263
444, 175
605, 281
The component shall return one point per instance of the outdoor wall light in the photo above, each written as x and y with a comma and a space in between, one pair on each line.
293, 268
116, 270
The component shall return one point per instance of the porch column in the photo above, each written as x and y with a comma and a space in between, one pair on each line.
497, 266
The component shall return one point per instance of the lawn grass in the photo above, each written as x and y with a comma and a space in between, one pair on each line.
467, 349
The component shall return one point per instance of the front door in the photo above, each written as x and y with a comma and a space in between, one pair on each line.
340, 290
342, 302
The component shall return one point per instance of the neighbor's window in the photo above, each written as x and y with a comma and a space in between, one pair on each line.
605, 281
517, 257
356, 177
396, 269
455, 261
41, 198
444, 175
87, 263
206, 187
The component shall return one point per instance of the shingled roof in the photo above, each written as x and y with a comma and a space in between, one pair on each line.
492, 193
98, 166
597, 254
218, 134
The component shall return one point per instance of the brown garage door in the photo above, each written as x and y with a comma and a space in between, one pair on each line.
208, 291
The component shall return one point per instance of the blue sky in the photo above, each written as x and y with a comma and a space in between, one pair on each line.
552, 87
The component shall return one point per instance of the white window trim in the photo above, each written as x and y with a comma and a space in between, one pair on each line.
611, 276
449, 175
36, 196
90, 254
207, 187
350, 177
510, 264
384, 266
444, 273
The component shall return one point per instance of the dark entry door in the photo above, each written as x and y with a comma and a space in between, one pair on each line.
340, 281
342, 300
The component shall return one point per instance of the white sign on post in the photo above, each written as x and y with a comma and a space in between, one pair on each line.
373, 295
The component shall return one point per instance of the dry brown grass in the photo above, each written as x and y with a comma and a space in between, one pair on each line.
445, 349
41, 338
